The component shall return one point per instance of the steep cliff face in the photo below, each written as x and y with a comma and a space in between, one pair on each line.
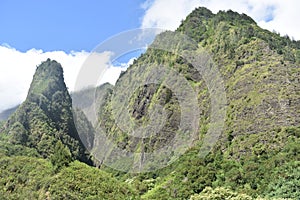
86, 104
260, 75
260, 71
46, 115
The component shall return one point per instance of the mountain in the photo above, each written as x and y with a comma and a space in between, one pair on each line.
40, 148
85, 104
46, 115
247, 91
90, 99
210, 111
4, 115
260, 71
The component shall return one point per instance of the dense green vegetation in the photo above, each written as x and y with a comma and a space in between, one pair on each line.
46, 115
33, 178
256, 157
271, 174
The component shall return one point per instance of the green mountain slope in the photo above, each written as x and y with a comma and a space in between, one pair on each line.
39, 143
260, 72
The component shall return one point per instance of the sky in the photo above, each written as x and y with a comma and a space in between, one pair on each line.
68, 31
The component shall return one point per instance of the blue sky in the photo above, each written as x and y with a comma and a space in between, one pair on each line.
67, 31
77, 25
65, 25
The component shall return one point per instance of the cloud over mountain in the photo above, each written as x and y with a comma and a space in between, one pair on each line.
270, 14
17, 69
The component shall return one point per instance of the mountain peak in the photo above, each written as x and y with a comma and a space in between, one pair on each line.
46, 115
47, 79
234, 17
202, 12
51, 66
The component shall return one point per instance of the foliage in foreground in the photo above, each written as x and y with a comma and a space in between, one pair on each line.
266, 174
34, 178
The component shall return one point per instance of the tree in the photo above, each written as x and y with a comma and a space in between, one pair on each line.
219, 193
18, 134
61, 156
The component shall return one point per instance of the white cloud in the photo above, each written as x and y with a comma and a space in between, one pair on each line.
112, 73
284, 14
286, 19
93, 68
17, 69
165, 14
